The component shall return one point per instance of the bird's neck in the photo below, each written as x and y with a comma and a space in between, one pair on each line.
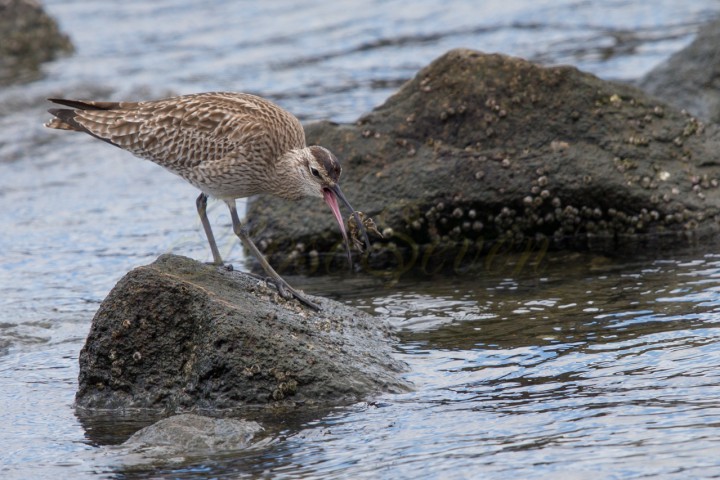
288, 180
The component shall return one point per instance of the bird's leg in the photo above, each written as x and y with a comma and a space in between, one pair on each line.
282, 286
201, 204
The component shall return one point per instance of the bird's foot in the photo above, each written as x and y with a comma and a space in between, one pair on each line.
285, 290
288, 293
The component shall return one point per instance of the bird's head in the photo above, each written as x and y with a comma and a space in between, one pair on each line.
321, 171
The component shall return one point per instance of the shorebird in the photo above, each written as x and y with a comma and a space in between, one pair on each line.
228, 145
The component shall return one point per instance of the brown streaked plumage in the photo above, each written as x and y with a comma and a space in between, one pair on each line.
228, 145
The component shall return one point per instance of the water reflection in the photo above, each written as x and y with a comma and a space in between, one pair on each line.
594, 365
580, 373
541, 380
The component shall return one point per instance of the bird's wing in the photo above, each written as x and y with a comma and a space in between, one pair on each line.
184, 131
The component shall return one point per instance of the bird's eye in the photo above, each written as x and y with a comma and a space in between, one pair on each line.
315, 172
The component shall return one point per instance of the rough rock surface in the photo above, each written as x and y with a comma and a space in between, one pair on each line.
29, 37
480, 152
179, 334
192, 434
690, 79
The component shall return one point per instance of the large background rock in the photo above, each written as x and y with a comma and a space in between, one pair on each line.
29, 37
690, 79
179, 334
480, 151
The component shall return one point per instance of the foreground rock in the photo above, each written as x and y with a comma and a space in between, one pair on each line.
29, 37
689, 79
179, 334
190, 434
480, 152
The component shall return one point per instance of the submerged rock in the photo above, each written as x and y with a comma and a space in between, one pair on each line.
179, 334
484, 152
191, 434
29, 37
690, 79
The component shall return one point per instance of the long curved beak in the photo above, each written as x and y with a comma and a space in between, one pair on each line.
330, 195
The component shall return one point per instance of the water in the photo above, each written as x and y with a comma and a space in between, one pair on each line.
574, 366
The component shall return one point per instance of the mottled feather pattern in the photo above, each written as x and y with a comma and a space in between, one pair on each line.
201, 137
58, 124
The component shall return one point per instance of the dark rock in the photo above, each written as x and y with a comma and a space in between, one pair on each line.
179, 334
484, 152
690, 79
29, 37
191, 434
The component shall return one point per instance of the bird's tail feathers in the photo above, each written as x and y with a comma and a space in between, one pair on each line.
64, 120
85, 104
